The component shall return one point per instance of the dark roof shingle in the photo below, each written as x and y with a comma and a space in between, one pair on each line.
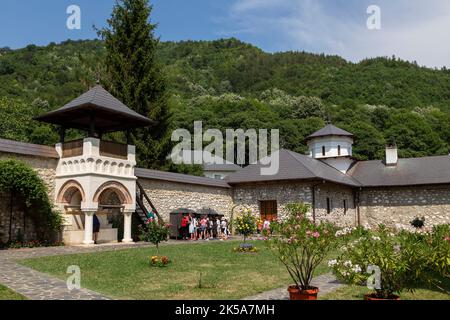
179, 178
409, 171
292, 166
329, 130
110, 113
10, 146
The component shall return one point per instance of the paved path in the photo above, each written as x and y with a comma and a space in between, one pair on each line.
326, 284
35, 285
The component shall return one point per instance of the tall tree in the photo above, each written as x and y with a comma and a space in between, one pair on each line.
135, 77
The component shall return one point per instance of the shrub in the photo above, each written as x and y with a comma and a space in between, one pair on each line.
405, 260
300, 244
16, 177
159, 261
418, 222
154, 233
246, 223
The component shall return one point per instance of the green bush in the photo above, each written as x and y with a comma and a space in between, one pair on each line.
405, 259
154, 233
18, 178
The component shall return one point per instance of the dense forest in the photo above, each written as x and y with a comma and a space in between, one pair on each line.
231, 84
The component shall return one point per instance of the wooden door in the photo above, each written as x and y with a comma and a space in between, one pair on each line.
268, 209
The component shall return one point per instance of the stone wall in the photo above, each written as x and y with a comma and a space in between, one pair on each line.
17, 222
168, 196
46, 169
396, 207
341, 214
250, 195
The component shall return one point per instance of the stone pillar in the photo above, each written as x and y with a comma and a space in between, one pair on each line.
127, 227
88, 226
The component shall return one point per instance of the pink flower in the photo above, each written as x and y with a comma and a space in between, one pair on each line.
316, 234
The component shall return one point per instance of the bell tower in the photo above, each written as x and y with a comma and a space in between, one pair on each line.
333, 146
94, 175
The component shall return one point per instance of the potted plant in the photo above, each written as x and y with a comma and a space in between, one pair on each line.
245, 224
155, 233
301, 246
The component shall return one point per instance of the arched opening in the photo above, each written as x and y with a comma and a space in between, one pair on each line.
71, 195
111, 198
323, 151
339, 150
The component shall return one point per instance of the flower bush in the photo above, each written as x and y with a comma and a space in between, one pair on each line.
245, 249
405, 259
159, 261
300, 244
246, 223
154, 233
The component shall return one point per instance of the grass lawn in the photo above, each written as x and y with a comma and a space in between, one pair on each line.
357, 293
8, 294
126, 274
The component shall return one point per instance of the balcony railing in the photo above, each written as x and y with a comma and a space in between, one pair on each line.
107, 149
72, 148
114, 150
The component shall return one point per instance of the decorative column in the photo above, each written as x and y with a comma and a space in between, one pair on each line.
127, 227
88, 226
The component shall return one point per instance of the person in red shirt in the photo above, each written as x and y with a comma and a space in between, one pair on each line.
184, 227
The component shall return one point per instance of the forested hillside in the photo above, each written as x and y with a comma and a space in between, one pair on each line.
230, 84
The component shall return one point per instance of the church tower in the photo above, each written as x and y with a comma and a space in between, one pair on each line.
333, 146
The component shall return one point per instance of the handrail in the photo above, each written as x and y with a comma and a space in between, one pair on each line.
144, 194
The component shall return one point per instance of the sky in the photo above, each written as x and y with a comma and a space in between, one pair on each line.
414, 30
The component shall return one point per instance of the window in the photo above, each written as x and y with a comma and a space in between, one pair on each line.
218, 176
323, 150
268, 209
328, 205
345, 206
339, 150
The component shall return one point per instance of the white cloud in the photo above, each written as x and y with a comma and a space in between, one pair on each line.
411, 29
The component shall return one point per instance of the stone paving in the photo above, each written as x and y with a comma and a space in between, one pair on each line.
35, 285
326, 284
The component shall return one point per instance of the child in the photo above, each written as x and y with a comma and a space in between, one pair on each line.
224, 225
211, 228
203, 224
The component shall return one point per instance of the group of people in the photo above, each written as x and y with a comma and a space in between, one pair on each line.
203, 228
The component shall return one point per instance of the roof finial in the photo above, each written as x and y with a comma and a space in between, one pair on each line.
328, 119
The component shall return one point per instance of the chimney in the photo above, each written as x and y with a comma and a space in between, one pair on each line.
391, 155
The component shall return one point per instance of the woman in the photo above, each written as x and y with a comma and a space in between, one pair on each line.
192, 227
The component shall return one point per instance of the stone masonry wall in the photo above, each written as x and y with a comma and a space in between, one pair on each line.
396, 207
250, 195
340, 214
168, 196
46, 169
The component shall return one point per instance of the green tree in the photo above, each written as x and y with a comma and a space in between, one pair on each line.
135, 77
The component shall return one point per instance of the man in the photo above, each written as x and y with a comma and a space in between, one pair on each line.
96, 228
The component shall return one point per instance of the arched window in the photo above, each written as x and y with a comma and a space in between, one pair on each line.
323, 151
339, 150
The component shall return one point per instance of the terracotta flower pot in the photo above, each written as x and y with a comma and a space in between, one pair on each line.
372, 296
297, 294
